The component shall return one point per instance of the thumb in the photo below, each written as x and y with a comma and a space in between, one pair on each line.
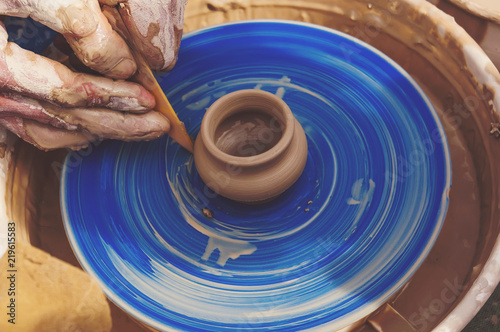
89, 34
78, 21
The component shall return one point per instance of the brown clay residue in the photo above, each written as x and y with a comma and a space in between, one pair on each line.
7, 50
208, 213
3, 148
495, 129
153, 30
143, 44
152, 52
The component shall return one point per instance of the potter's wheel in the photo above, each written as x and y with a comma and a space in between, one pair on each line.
376, 181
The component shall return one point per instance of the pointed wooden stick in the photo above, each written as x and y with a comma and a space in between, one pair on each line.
145, 77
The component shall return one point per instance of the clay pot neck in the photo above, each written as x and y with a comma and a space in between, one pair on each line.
249, 128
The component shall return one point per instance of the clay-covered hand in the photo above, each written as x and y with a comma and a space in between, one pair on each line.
50, 106
155, 28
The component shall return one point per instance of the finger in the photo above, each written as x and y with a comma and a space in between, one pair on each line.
114, 125
13, 105
156, 29
98, 121
111, 2
30, 121
46, 137
49, 127
41, 78
86, 29
102, 50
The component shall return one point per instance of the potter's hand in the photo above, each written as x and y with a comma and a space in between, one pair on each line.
154, 27
46, 104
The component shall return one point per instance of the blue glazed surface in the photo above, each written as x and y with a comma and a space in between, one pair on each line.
378, 174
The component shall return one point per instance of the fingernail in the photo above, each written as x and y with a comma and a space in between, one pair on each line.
122, 70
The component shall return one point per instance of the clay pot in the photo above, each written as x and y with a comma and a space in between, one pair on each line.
250, 148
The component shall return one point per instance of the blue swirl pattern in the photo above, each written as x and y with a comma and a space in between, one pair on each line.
330, 250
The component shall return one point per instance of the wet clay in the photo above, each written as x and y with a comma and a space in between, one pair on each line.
156, 30
86, 29
248, 133
252, 138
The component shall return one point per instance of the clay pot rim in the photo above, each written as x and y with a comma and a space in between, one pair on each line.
208, 126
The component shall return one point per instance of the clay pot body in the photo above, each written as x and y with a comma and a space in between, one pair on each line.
250, 148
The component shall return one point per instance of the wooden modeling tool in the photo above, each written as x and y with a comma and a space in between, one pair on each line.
145, 77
